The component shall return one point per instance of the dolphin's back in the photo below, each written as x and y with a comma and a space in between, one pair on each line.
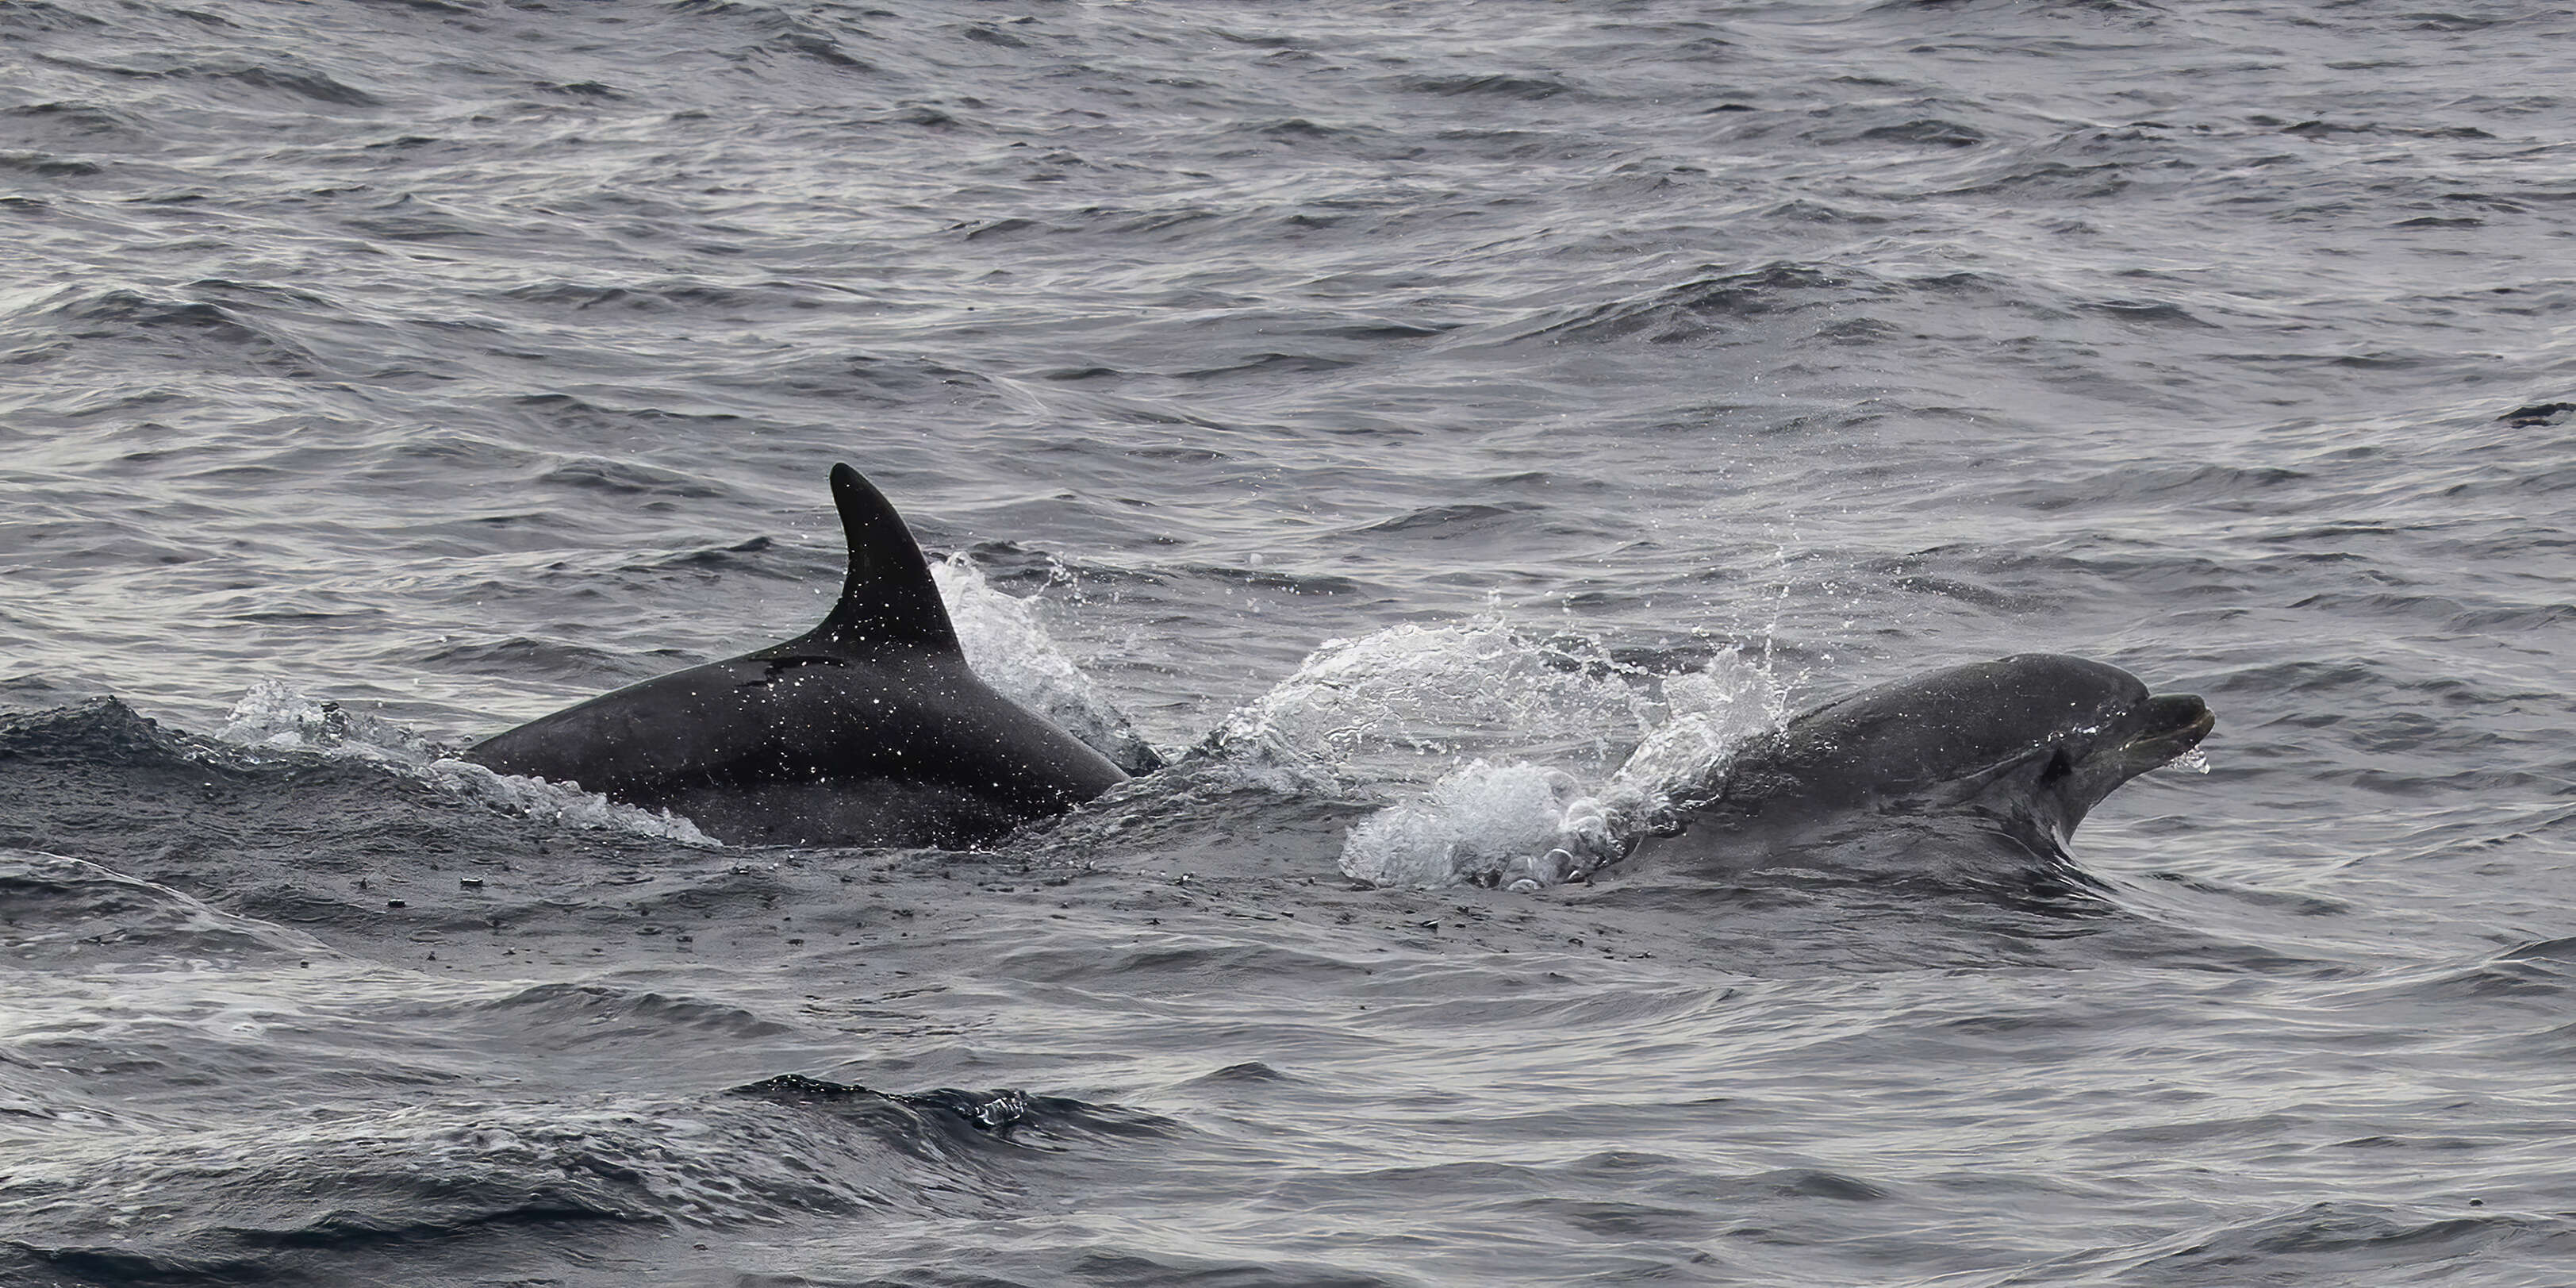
1947, 726
1935, 727
869, 729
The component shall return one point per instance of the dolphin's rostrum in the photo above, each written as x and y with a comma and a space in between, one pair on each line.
867, 730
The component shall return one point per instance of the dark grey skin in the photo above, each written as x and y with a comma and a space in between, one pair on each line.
867, 730
2031, 742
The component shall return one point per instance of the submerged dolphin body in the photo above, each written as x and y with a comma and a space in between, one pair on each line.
867, 730
2029, 743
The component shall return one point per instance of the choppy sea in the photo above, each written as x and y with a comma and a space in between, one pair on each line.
1418, 422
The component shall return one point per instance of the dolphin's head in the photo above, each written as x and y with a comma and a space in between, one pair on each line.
2037, 736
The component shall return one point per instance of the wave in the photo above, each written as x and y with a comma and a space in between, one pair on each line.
80, 915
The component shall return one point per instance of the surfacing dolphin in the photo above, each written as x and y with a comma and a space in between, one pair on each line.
867, 730
2030, 743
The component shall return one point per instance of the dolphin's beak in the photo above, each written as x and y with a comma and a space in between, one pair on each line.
2175, 723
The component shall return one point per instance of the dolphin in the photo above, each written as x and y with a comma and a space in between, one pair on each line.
866, 730
2028, 743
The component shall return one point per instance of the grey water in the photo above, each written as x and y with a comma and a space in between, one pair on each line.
1408, 419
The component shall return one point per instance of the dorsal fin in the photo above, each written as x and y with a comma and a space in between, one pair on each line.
889, 597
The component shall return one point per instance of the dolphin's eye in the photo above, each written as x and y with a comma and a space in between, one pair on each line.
2059, 766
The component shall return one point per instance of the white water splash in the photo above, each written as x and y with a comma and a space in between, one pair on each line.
275, 716
2195, 760
1711, 711
563, 803
1527, 826
1380, 706
1006, 644
1520, 825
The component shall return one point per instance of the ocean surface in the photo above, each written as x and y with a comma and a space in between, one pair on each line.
1428, 426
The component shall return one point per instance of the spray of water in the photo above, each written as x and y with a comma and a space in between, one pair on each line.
1521, 739
1009, 647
